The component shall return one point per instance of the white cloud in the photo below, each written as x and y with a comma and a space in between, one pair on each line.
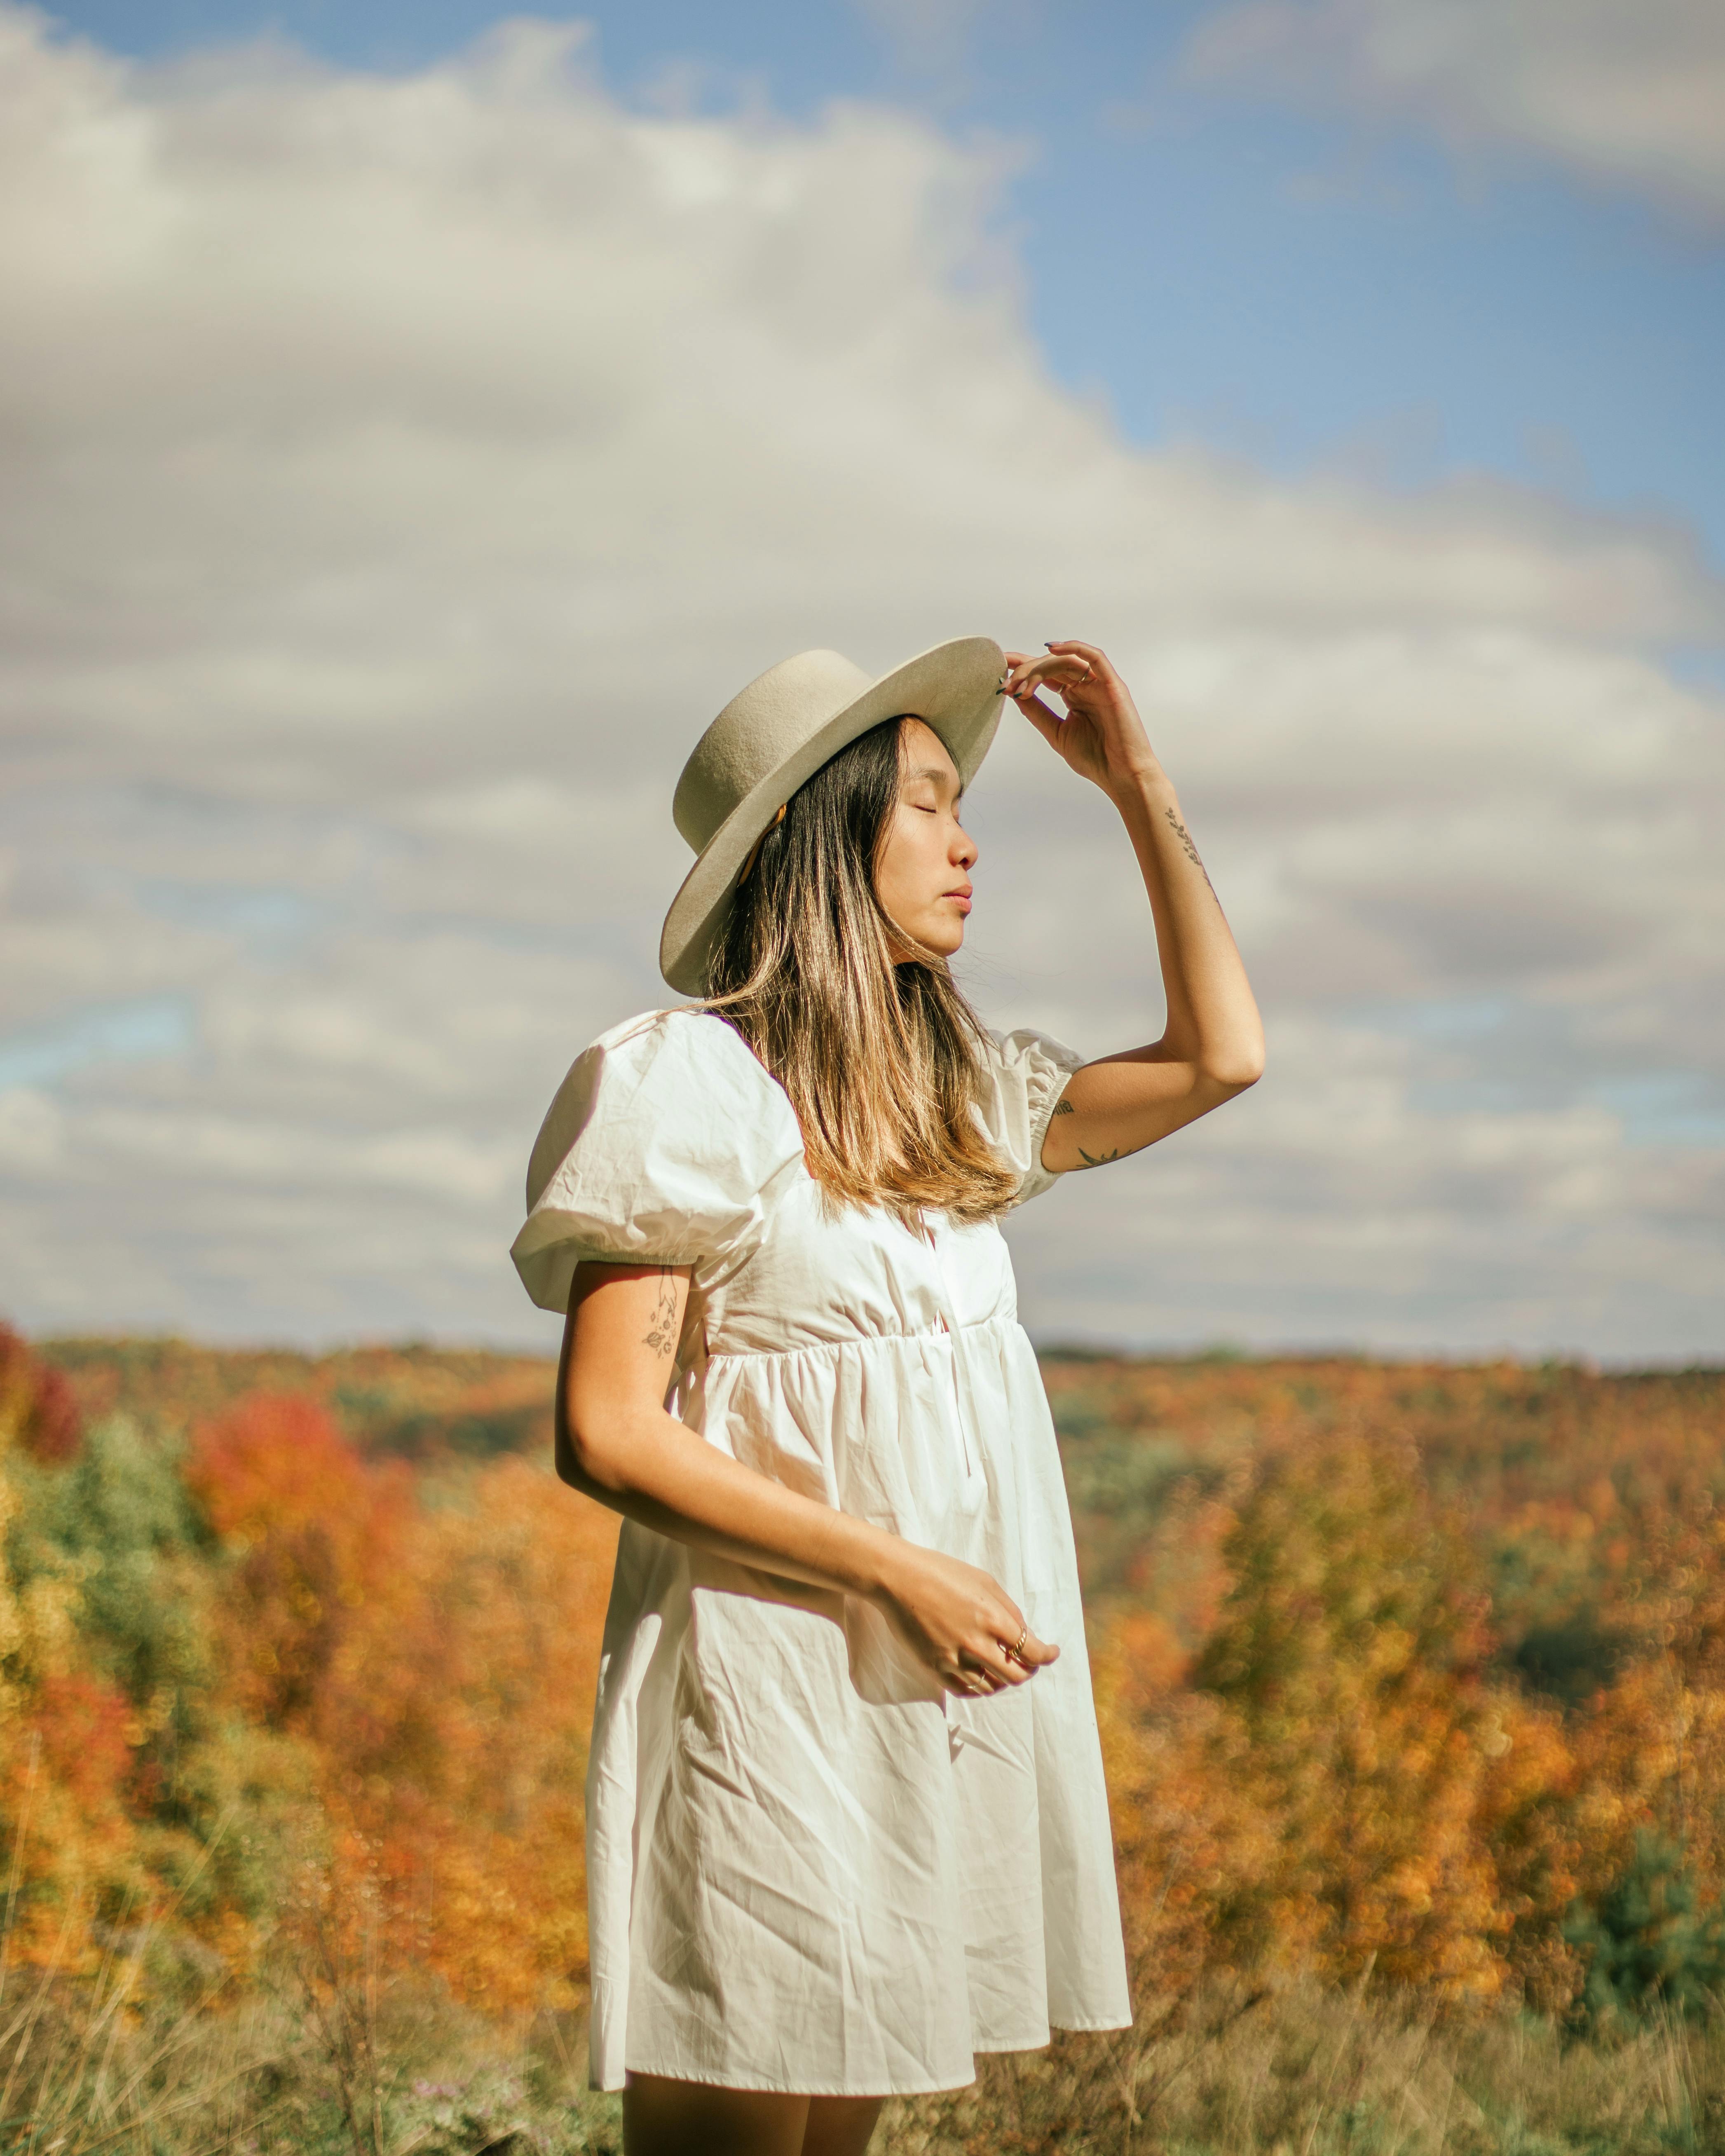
399, 472
1627, 92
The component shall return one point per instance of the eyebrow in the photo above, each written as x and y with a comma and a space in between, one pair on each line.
930, 771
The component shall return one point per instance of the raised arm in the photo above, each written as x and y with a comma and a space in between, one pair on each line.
1212, 1046
616, 1444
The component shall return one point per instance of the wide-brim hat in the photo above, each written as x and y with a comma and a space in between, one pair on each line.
777, 733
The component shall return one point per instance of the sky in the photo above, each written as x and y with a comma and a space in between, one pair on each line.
416, 421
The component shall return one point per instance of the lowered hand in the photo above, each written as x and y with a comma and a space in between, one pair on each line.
961, 1622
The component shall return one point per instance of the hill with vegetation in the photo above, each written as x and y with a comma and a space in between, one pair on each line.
1411, 1679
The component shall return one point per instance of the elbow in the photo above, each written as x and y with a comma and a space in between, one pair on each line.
565, 1452
582, 1456
1234, 1069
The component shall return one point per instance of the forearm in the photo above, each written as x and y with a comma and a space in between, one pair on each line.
1213, 1021
615, 1442
655, 1471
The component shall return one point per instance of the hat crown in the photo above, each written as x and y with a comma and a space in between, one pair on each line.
757, 732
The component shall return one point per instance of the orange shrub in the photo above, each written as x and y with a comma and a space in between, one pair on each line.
443, 1661
456, 1730
38, 1411
315, 1535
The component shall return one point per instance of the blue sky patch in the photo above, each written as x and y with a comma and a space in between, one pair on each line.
143, 1029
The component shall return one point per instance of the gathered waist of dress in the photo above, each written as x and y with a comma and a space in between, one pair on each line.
1005, 1322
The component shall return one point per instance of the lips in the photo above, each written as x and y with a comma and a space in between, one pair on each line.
962, 896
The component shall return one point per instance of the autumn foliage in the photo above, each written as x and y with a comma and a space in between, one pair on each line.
1442, 1647
256, 1677
1407, 1676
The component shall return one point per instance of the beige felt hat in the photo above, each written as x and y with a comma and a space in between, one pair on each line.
777, 732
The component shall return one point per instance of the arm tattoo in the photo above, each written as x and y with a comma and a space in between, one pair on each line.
662, 1334
1187, 847
1064, 1108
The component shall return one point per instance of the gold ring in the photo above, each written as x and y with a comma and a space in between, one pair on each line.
1015, 1652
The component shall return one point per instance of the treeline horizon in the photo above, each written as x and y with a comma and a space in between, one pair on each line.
1054, 1348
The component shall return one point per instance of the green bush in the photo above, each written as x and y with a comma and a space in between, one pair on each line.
119, 1512
1648, 1944
223, 1808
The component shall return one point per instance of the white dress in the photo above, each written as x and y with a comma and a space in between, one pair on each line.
809, 1868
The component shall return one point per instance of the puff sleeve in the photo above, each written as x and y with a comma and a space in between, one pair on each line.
1024, 1074
661, 1147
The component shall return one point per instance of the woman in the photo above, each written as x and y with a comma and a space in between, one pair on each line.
846, 1821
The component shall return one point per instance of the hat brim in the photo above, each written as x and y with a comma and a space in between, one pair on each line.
954, 689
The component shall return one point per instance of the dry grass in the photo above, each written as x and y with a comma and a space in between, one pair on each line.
266, 2079
150, 2053
1309, 2073
327, 2063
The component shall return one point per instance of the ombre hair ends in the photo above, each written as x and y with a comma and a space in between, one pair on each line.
866, 1030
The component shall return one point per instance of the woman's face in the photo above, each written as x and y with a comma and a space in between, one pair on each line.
922, 877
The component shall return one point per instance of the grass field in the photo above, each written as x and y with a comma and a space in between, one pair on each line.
1303, 2072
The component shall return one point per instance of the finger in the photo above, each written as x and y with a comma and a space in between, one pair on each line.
1091, 677
1002, 1644
1032, 674
1047, 661
1066, 690
988, 1666
1054, 666
1070, 647
1086, 679
991, 1657
1047, 722
1037, 1653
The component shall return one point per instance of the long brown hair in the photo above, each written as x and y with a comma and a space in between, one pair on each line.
877, 1051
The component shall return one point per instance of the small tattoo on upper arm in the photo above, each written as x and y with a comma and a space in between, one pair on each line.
661, 1335
1064, 1108
1097, 1159
1190, 851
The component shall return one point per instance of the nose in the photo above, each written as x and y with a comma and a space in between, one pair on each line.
964, 852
